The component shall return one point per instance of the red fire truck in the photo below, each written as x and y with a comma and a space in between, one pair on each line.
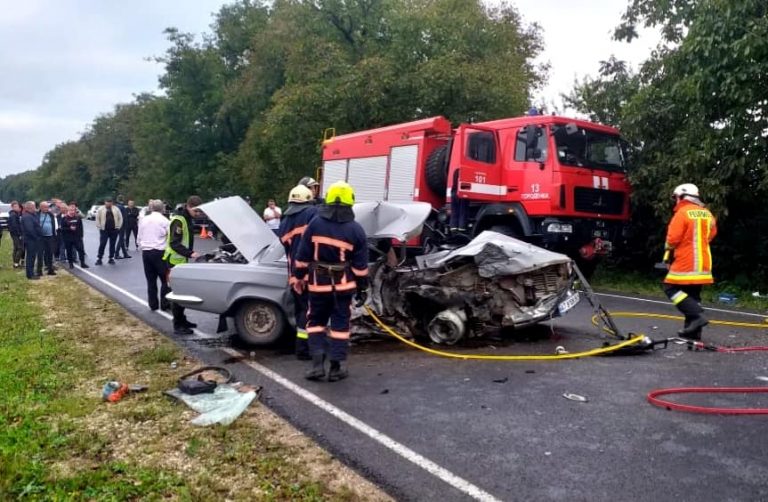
554, 181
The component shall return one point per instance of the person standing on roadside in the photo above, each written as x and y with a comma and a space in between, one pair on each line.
33, 238
72, 236
14, 228
152, 238
300, 212
48, 229
272, 215
108, 221
122, 245
689, 233
131, 224
179, 249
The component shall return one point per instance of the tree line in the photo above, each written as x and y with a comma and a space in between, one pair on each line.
242, 110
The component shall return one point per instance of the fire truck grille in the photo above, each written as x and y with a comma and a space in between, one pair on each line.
591, 200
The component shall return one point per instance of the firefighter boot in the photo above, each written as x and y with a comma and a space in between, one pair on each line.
695, 321
317, 372
693, 330
302, 350
337, 372
696, 335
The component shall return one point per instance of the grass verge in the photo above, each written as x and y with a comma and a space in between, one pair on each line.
60, 341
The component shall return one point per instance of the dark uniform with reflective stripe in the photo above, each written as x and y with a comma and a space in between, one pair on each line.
333, 257
292, 227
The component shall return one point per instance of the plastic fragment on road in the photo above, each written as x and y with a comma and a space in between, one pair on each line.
222, 406
575, 397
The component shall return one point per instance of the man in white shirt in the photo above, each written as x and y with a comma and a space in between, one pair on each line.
272, 215
153, 238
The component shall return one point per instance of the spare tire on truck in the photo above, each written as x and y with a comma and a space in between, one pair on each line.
437, 170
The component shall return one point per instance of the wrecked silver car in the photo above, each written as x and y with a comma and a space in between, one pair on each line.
493, 282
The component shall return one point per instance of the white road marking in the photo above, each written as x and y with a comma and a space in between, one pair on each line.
660, 302
381, 438
137, 299
447, 476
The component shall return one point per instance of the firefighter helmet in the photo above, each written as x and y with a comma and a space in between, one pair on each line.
300, 194
342, 193
308, 182
686, 189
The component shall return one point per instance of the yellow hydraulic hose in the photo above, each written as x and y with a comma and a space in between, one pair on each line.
455, 355
667, 317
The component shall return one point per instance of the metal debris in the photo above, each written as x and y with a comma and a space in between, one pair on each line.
575, 397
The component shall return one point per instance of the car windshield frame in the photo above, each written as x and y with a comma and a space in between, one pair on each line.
577, 149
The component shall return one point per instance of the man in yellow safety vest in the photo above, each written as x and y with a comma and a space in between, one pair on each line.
178, 250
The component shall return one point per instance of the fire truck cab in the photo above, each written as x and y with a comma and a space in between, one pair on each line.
554, 181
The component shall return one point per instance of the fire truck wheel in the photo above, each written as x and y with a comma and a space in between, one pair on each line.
437, 170
506, 230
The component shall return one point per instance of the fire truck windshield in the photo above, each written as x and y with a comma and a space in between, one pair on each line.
580, 147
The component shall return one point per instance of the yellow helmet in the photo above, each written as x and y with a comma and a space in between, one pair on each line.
342, 193
300, 194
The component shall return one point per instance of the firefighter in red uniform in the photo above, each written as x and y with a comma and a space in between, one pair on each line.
332, 263
294, 222
689, 233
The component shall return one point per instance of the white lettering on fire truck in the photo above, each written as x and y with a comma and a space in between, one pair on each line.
535, 196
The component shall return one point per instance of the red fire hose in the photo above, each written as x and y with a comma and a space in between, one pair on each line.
653, 398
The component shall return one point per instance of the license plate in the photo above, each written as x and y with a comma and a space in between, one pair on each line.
569, 303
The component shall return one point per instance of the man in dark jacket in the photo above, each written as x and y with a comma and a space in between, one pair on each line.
131, 224
72, 235
14, 228
33, 238
122, 235
179, 249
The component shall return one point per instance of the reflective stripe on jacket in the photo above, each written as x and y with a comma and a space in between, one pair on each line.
689, 233
292, 228
332, 255
170, 255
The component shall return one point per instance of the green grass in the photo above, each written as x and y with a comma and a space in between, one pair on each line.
39, 414
609, 278
59, 441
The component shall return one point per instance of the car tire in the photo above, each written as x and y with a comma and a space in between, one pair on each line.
259, 322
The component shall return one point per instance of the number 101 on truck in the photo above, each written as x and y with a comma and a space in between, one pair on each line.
553, 181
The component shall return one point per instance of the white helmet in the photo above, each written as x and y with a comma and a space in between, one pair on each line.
300, 194
686, 189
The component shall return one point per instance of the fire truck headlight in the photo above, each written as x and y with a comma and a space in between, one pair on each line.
560, 228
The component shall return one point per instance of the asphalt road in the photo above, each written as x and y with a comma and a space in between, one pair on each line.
428, 428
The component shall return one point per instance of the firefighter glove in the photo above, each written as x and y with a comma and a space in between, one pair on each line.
361, 297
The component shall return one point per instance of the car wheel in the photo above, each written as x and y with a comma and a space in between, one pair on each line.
259, 322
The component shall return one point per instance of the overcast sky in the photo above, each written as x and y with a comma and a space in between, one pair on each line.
63, 62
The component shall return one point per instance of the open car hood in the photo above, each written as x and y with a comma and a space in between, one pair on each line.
401, 221
241, 225
496, 254
250, 234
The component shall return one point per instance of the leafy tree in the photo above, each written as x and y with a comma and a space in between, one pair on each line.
700, 114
